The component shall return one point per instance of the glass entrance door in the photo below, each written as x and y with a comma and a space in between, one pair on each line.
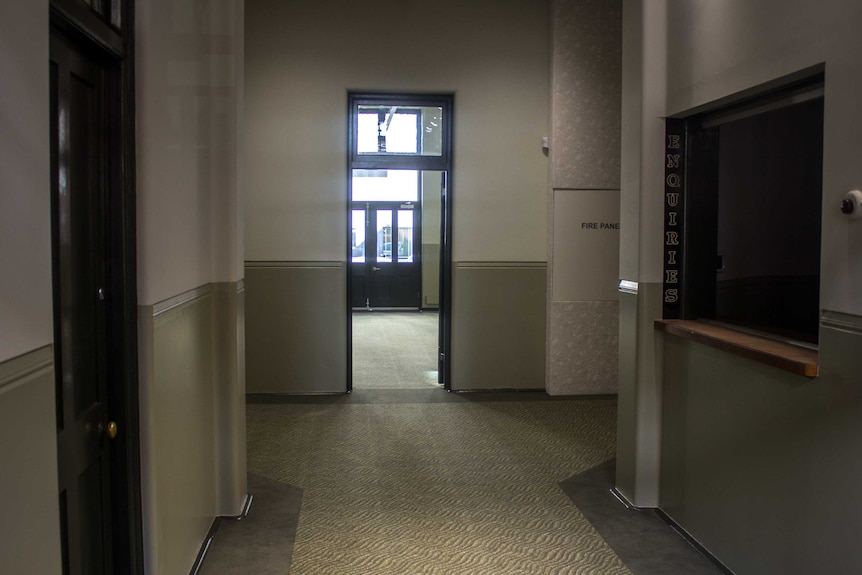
386, 255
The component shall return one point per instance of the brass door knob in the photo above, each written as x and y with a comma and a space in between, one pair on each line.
111, 430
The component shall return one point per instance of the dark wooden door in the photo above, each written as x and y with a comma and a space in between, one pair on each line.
78, 203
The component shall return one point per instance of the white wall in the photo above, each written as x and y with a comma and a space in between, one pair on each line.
25, 215
302, 57
189, 111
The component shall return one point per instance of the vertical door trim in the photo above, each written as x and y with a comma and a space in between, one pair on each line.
422, 163
445, 296
348, 245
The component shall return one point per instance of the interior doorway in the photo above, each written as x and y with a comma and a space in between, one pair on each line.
399, 238
92, 196
395, 350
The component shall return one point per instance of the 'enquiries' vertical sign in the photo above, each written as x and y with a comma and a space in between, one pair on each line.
674, 177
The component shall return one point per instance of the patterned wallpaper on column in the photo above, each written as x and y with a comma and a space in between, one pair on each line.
584, 348
586, 85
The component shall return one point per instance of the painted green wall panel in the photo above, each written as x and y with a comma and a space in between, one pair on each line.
761, 466
296, 328
178, 450
192, 416
30, 521
639, 402
229, 380
498, 326
626, 477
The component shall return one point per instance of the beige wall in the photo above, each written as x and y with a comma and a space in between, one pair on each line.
25, 213
303, 56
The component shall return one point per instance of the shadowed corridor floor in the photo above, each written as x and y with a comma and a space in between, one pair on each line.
450, 488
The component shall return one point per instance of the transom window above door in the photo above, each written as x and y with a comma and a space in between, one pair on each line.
403, 130
389, 131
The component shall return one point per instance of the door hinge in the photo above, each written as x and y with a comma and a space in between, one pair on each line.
442, 356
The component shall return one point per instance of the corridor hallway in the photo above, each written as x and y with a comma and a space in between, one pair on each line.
395, 350
426, 482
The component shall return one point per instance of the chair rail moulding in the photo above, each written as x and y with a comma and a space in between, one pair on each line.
293, 264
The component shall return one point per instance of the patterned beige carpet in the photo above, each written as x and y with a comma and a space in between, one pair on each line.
395, 350
441, 488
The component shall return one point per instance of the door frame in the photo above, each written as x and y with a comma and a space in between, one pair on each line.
94, 34
443, 163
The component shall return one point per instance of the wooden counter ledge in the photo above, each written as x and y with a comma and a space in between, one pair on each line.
788, 357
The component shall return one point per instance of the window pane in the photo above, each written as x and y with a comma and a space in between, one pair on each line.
400, 130
432, 131
401, 134
388, 131
358, 236
366, 140
384, 235
405, 235
385, 186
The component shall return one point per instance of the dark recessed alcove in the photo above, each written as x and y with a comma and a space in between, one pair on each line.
753, 203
